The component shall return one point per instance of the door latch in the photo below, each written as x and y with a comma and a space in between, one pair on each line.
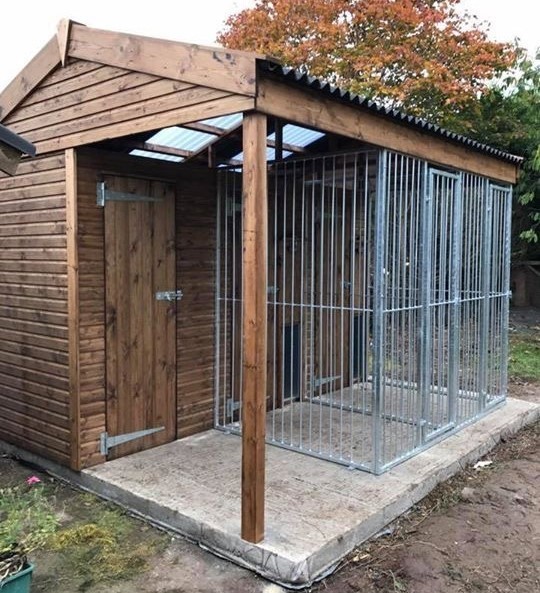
169, 295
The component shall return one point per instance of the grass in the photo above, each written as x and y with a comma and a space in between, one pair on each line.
105, 545
524, 361
27, 516
88, 540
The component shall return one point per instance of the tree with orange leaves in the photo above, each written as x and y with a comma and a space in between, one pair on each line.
420, 55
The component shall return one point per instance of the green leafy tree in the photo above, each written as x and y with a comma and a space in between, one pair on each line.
508, 116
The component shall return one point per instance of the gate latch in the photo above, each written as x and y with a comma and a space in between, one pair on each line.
169, 295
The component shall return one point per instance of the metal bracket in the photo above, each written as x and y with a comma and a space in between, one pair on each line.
107, 442
232, 406
325, 381
169, 295
107, 195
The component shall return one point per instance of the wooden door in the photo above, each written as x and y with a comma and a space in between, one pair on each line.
140, 330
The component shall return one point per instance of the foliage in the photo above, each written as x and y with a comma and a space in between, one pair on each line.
26, 517
524, 361
421, 55
508, 116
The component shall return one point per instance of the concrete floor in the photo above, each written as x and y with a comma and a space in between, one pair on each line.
317, 511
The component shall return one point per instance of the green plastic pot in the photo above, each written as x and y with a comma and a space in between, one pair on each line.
18, 583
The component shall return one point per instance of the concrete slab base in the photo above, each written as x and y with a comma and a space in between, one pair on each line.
317, 511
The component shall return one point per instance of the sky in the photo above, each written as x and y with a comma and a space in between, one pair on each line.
26, 25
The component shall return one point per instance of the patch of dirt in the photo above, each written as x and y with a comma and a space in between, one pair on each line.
163, 563
479, 531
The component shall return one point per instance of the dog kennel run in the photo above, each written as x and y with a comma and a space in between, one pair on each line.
387, 304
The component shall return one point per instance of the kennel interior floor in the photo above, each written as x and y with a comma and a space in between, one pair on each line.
316, 511
338, 425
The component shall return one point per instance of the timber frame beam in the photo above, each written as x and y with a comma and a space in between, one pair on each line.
312, 109
254, 324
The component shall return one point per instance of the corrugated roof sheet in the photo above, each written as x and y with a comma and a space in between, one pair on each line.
156, 155
296, 77
297, 135
177, 137
225, 122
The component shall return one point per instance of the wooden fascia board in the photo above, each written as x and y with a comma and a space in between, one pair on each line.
309, 108
26, 81
212, 67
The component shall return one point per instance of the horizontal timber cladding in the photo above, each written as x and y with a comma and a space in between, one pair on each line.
34, 366
86, 102
195, 261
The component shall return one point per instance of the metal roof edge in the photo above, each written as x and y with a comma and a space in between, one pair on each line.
291, 75
15, 141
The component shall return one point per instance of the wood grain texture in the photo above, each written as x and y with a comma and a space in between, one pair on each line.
34, 346
140, 330
86, 102
33, 73
307, 107
254, 324
72, 255
195, 270
218, 68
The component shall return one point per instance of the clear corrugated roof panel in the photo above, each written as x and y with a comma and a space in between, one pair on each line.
298, 136
225, 122
156, 155
183, 138
270, 155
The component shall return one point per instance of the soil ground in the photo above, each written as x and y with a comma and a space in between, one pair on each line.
477, 532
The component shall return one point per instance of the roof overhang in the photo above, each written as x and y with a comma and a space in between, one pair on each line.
12, 149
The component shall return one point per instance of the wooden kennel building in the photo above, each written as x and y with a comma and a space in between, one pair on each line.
108, 267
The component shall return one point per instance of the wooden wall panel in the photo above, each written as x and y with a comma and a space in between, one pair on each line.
34, 365
195, 243
91, 314
85, 102
195, 263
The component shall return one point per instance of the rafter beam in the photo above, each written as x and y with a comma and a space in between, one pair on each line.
286, 146
150, 147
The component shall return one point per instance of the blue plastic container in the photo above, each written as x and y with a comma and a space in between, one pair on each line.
18, 583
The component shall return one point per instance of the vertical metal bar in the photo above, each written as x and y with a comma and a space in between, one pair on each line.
485, 291
378, 308
425, 292
506, 290
455, 313
217, 302
301, 333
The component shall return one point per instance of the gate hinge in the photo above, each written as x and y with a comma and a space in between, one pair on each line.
325, 380
107, 442
232, 406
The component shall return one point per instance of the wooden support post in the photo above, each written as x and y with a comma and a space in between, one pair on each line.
73, 307
279, 140
254, 325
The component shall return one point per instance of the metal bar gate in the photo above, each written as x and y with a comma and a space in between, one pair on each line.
387, 304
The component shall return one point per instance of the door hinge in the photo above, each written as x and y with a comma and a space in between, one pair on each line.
108, 442
103, 194
169, 295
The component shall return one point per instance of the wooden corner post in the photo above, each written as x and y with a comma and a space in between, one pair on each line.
254, 324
